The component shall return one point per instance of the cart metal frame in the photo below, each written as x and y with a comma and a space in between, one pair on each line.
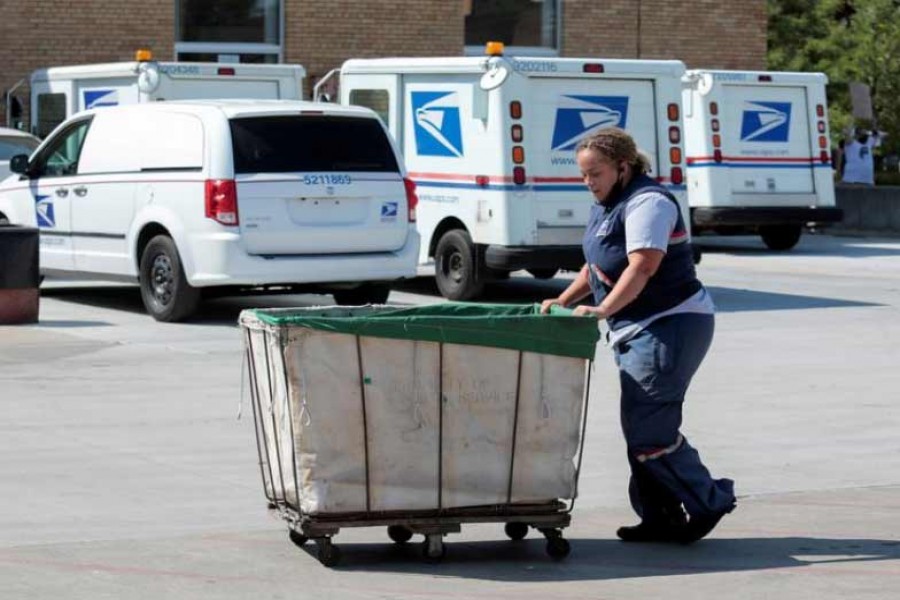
548, 518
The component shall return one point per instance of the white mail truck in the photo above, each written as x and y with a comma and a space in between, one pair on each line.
59, 92
490, 144
758, 154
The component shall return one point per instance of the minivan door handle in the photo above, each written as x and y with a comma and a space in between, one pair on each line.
80, 191
62, 192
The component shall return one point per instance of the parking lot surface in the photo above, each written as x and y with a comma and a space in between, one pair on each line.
128, 466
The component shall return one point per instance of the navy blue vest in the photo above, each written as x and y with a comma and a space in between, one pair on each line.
604, 248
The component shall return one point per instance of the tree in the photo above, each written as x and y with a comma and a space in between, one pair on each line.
848, 40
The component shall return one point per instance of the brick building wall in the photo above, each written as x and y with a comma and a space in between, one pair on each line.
45, 33
712, 34
321, 40
320, 35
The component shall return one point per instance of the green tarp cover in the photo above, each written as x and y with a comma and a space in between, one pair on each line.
513, 326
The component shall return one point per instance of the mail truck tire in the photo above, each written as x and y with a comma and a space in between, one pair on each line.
543, 273
780, 237
367, 293
165, 291
456, 267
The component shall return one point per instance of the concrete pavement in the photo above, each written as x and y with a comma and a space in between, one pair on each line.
125, 473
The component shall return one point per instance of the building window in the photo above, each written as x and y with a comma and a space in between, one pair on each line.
234, 31
524, 26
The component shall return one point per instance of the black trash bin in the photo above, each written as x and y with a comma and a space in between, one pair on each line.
19, 274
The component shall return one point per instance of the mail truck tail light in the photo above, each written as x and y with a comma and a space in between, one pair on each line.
518, 155
824, 157
823, 141
713, 108
515, 109
717, 155
225, 71
592, 68
517, 133
675, 155
717, 140
672, 111
765, 78
820, 110
676, 175
221, 201
519, 175
714, 124
674, 135
412, 200
821, 126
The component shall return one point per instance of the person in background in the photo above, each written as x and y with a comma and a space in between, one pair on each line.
859, 164
640, 270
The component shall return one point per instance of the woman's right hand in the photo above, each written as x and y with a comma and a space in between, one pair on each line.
546, 304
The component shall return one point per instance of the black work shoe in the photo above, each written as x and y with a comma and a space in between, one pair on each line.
650, 532
700, 526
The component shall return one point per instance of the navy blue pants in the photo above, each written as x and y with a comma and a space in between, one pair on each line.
655, 369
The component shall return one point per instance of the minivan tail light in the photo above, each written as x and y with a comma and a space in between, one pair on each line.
221, 201
412, 200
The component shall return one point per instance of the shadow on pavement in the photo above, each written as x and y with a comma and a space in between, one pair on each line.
739, 300
517, 290
593, 559
66, 324
810, 245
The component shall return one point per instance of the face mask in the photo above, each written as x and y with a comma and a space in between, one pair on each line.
617, 186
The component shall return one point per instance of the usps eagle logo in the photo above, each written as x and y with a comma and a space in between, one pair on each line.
97, 98
43, 211
437, 124
766, 122
580, 116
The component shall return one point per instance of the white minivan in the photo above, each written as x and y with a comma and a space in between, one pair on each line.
235, 194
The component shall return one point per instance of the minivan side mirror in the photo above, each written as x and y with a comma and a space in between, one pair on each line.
19, 164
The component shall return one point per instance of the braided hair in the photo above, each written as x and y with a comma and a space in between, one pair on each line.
616, 145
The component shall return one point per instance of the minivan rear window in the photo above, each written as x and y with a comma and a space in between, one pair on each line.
285, 144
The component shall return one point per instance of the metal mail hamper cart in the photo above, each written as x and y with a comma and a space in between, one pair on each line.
419, 419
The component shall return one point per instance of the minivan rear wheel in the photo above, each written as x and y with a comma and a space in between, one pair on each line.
367, 293
165, 291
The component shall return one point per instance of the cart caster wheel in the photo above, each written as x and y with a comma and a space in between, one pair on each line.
433, 548
516, 531
297, 538
558, 548
328, 554
399, 534
271, 506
